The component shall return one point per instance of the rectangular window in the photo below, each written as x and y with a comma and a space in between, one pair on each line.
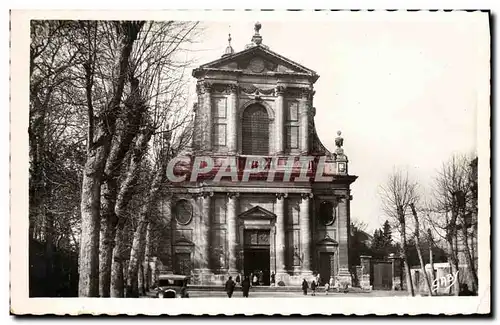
219, 134
293, 111
292, 136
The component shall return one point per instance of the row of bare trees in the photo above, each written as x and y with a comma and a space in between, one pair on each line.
108, 110
445, 218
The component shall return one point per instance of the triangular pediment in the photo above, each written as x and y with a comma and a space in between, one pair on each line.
257, 213
327, 241
257, 59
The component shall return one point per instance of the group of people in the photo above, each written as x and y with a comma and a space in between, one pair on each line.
249, 281
315, 283
256, 278
230, 285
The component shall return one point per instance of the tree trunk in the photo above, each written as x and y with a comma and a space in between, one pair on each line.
136, 256
422, 266
123, 198
409, 282
453, 261
88, 284
140, 276
147, 257
137, 252
127, 129
98, 152
470, 262
419, 251
431, 256
108, 233
117, 281
49, 255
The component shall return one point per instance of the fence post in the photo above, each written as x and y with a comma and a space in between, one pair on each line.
396, 272
366, 266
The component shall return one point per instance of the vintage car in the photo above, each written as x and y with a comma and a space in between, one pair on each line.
172, 286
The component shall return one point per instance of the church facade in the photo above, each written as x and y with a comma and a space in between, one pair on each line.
256, 107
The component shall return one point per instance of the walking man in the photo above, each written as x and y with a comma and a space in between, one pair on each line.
245, 286
230, 287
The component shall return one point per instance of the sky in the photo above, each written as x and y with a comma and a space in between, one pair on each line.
402, 91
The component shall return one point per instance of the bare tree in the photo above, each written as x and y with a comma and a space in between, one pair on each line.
453, 210
396, 196
101, 130
158, 99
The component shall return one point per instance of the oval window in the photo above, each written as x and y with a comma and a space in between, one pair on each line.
327, 213
183, 212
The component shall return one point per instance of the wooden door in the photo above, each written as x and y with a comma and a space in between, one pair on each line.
183, 264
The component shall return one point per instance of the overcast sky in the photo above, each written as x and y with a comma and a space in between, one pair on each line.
402, 91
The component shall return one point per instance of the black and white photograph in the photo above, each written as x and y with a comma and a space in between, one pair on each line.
250, 162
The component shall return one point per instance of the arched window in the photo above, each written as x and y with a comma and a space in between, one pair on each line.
255, 131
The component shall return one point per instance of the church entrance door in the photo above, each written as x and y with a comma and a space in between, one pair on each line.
256, 255
257, 261
326, 266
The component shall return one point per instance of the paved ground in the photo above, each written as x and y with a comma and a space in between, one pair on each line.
321, 294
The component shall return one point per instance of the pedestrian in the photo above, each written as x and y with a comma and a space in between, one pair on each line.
255, 279
261, 278
238, 280
313, 287
337, 284
305, 286
273, 279
230, 287
327, 287
245, 286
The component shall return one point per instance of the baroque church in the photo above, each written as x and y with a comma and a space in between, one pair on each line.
258, 103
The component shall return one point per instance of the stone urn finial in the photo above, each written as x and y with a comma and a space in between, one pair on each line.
257, 27
257, 39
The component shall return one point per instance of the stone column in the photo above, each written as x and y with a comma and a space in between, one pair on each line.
232, 122
232, 231
197, 125
204, 235
280, 120
305, 233
304, 122
207, 108
343, 226
280, 233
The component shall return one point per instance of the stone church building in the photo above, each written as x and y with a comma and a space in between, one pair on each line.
258, 103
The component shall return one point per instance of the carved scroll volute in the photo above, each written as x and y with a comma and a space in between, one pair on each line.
204, 195
233, 89
207, 87
279, 90
232, 195
280, 196
306, 196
